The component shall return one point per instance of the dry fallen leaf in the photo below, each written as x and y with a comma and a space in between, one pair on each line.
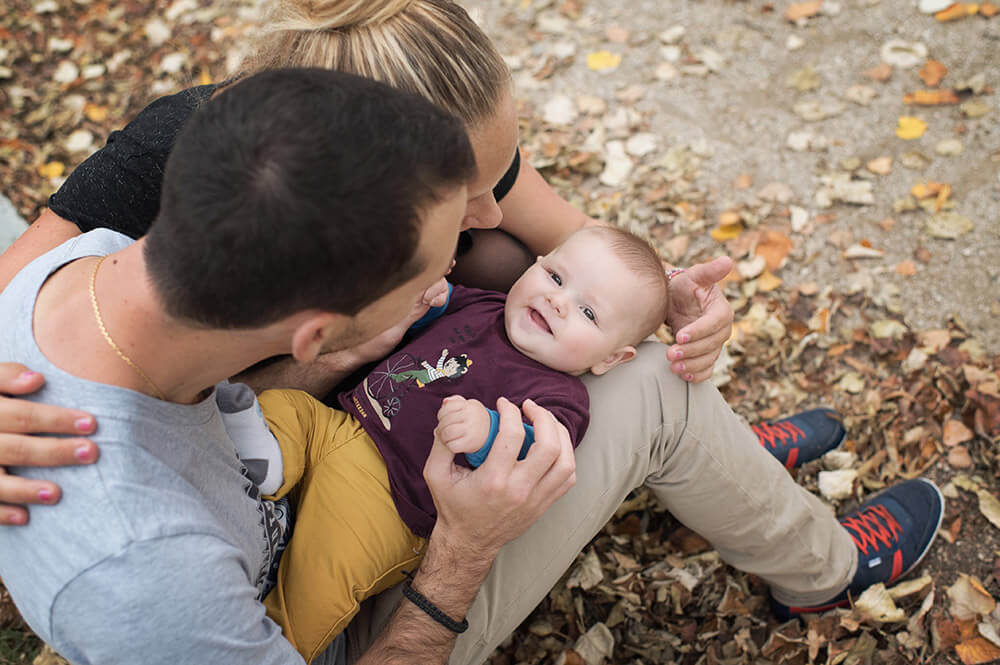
931, 97
800, 10
774, 246
600, 61
51, 169
988, 9
910, 128
94, 112
957, 11
977, 651
882, 73
969, 600
959, 458
729, 227
955, 432
932, 73
768, 282
989, 506
880, 165
876, 604
949, 225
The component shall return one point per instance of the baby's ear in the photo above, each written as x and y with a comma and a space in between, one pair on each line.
614, 359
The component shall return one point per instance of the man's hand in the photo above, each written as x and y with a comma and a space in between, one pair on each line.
463, 424
701, 318
19, 420
480, 510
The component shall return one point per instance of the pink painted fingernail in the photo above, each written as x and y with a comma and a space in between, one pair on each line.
25, 377
681, 367
84, 424
17, 518
678, 354
83, 453
45, 495
683, 338
688, 377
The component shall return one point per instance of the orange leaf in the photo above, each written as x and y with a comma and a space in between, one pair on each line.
931, 97
942, 196
925, 190
932, 72
906, 268
956, 11
774, 247
977, 650
802, 10
51, 169
988, 9
94, 112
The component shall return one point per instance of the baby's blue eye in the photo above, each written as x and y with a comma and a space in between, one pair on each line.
556, 278
589, 313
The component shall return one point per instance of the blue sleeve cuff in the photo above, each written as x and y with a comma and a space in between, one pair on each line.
433, 313
478, 457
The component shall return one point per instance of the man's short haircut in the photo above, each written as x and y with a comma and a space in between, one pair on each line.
299, 189
642, 260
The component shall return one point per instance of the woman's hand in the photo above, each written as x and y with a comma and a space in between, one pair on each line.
701, 318
19, 420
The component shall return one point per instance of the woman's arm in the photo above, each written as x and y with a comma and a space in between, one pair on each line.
536, 215
48, 232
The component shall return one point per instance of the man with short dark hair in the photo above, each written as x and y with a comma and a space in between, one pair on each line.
303, 211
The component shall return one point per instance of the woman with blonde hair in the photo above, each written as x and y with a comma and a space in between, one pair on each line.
642, 418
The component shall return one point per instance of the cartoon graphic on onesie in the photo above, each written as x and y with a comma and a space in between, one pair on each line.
387, 385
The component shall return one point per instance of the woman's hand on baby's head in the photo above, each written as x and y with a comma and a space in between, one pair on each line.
463, 424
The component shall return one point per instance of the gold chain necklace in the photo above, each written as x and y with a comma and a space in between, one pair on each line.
107, 336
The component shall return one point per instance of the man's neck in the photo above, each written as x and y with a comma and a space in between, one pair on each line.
182, 361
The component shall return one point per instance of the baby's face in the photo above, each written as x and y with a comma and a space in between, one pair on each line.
573, 308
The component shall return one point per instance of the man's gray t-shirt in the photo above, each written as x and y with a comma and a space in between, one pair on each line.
159, 552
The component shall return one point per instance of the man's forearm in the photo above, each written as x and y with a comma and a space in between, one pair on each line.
450, 578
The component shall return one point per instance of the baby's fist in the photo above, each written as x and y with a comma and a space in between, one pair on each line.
463, 424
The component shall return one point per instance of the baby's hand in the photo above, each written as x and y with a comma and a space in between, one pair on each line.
463, 424
436, 294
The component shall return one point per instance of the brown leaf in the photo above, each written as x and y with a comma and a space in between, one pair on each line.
955, 432
800, 10
959, 458
880, 73
932, 72
906, 268
988, 9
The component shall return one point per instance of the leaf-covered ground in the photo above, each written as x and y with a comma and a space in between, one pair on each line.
851, 240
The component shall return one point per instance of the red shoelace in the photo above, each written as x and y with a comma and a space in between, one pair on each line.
875, 527
771, 435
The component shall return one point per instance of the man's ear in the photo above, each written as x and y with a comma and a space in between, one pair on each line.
614, 359
311, 335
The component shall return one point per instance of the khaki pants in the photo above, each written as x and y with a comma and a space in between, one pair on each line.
703, 463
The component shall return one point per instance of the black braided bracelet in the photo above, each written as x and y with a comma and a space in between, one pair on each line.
430, 608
